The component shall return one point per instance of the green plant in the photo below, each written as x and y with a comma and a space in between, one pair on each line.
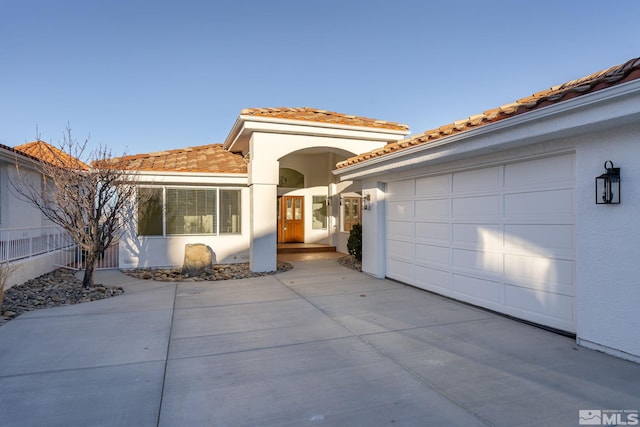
354, 244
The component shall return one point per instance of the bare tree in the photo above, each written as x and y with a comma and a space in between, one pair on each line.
89, 201
6, 270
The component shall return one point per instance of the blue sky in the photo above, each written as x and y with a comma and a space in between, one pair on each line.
143, 76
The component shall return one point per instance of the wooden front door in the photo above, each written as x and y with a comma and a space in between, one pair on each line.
291, 219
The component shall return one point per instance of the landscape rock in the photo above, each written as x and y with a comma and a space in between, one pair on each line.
198, 257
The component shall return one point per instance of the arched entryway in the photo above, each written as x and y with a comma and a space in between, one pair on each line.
311, 149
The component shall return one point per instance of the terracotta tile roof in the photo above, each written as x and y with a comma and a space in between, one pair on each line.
45, 152
205, 158
616, 75
322, 116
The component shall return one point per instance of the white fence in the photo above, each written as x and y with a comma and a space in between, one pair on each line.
22, 243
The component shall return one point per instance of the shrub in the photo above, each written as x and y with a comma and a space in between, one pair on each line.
354, 244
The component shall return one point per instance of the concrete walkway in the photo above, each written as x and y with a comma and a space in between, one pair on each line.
318, 345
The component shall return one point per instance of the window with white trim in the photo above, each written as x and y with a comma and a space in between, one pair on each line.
319, 213
170, 211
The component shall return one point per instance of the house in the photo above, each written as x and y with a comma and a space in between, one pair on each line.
501, 210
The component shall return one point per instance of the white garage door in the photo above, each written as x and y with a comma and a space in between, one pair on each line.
501, 237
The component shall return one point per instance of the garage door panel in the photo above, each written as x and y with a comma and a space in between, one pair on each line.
400, 229
536, 172
479, 179
548, 239
432, 278
480, 262
432, 185
433, 231
532, 270
481, 289
433, 254
481, 236
400, 249
539, 203
558, 309
400, 209
476, 207
400, 189
433, 208
400, 270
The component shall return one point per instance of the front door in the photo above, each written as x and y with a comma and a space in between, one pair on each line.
291, 219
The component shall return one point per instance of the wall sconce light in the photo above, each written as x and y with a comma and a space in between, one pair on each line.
608, 185
366, 201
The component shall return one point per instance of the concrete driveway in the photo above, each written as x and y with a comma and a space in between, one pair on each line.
317, 345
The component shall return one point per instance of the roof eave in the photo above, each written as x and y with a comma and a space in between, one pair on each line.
482, 139
192, 178
234, 134
320, 124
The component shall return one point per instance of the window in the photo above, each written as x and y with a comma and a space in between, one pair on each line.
350, 212
229, 211
191, 211
188, 211
150, 211
319, 216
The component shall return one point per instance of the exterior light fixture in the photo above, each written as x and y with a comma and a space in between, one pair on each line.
366, 201
608, 185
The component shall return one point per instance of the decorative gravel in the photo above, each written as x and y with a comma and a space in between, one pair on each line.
218, 272
350, 262
59, 287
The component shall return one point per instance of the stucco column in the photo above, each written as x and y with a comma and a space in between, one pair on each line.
374, 229
263, 250
263, 189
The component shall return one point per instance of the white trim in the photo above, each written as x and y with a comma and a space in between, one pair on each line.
306, 129
152, 177
318, 124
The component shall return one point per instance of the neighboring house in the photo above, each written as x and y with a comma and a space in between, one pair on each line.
499, 210
27, 238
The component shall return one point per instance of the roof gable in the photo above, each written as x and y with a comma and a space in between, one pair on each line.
211, 158
45, 152
612, 76
321, 116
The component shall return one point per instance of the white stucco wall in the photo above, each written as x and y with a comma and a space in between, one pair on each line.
374, 229
16, 213
316, 168
157, 251
30, 268
608, 245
